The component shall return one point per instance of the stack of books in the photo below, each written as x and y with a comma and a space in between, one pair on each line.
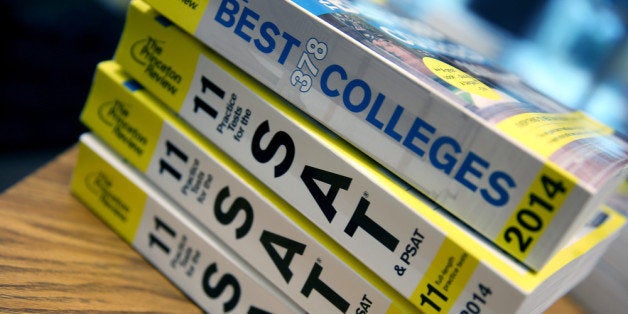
329, 157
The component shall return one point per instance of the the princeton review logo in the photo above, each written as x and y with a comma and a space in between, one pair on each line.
100, 185
115, 114
147, 53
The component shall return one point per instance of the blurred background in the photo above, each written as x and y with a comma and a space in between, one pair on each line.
575, 51
50, 49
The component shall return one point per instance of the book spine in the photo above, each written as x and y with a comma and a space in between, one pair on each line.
493, 178
202, 267
267, 232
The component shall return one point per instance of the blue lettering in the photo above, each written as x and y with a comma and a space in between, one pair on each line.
228, 8
244, 22
265, 30
415, 132
493, 181
366, 96
448, 161
371, 117
443, 151
390, 127
325, 77
245, 27
290, 42
467, 167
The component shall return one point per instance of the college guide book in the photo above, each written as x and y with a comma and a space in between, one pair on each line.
545, 217
520, 169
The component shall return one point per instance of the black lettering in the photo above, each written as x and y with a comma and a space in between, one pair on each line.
292, 247
325, 201
359, 219
240, 204
228, 280
278, 140
314, 283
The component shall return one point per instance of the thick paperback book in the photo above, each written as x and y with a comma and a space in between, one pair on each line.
456, 266
513, 164
203, 268
282, 245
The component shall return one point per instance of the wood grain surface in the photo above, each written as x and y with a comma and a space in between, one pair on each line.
56, 256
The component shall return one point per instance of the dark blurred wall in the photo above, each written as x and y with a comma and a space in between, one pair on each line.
49, 52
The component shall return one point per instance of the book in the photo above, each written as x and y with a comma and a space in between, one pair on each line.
206, 270
518, 167
456, 265
270, 235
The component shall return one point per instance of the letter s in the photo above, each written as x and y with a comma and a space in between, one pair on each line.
240, 204
267, 31
494, 181
278, 140
224, 282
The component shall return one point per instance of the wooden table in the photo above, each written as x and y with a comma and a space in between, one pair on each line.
57, 256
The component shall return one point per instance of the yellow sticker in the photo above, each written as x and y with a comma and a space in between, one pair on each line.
460, 79
445, 279
536, 210
545, 133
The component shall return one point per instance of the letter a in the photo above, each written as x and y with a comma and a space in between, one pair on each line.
324, 201
283, 264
